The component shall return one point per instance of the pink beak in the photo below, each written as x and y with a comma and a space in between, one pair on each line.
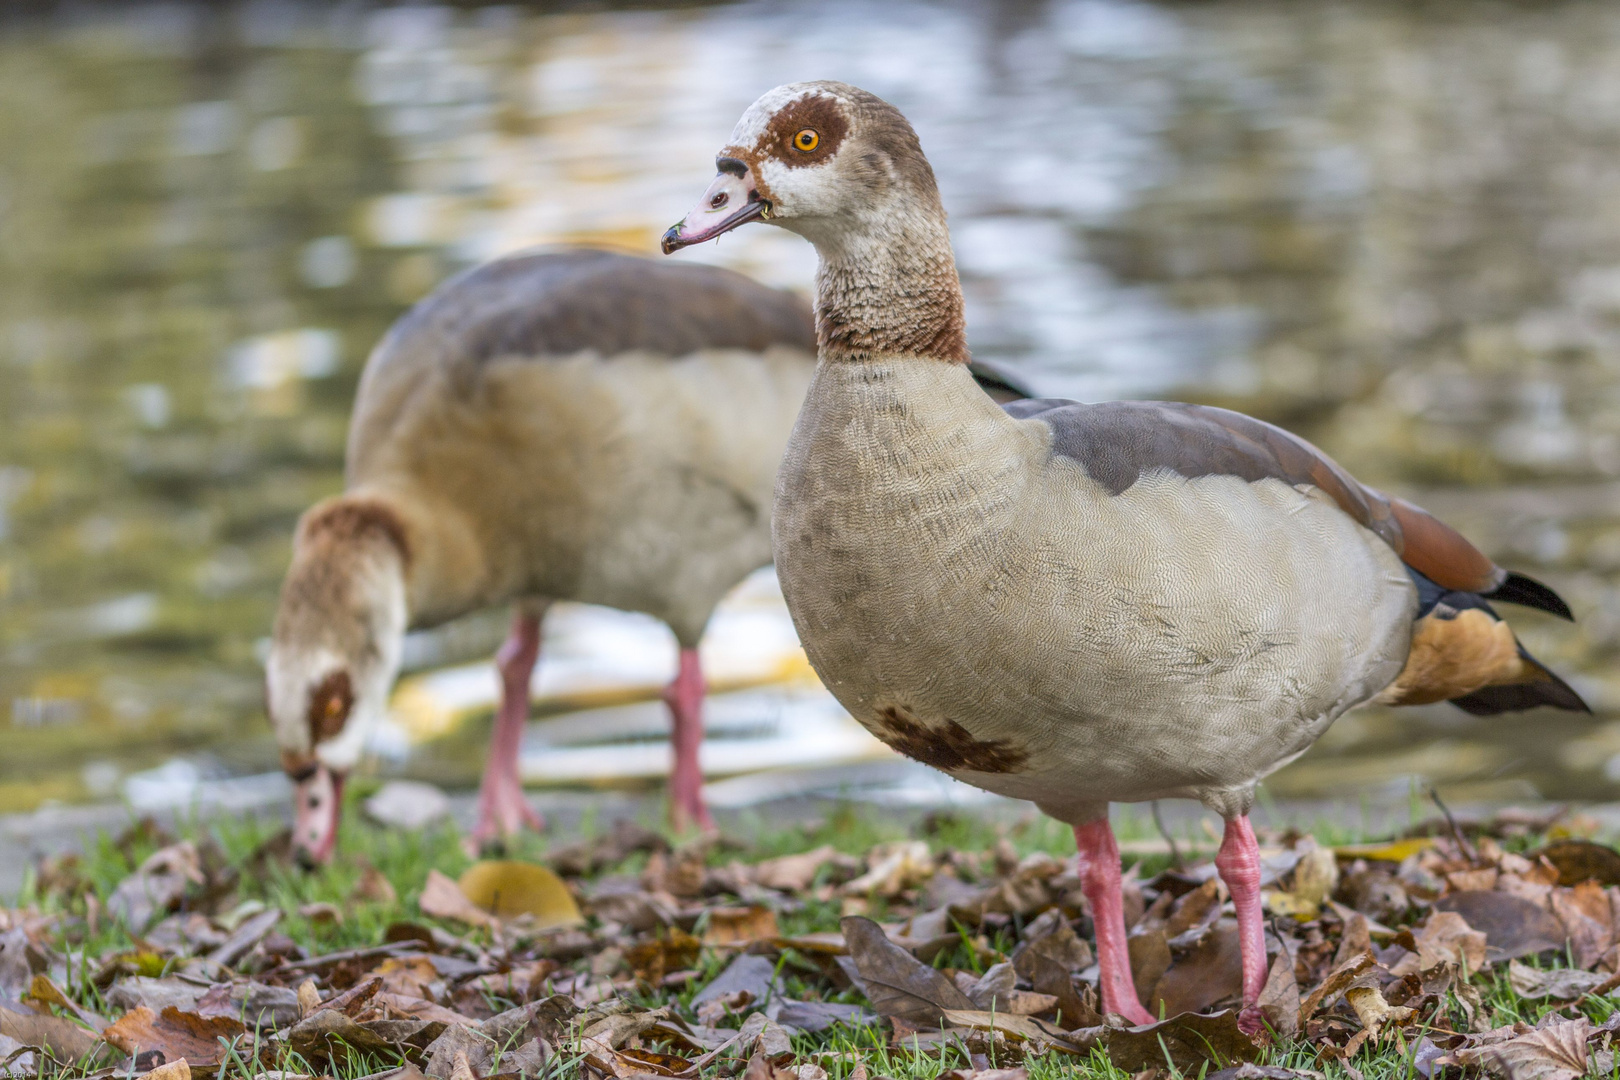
317, 805
732, 200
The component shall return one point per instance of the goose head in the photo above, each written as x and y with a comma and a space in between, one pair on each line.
826, 160
334, 652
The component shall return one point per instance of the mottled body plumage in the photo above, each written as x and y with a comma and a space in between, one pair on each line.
1093, 631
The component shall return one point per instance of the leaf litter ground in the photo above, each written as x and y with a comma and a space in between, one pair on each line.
838, 951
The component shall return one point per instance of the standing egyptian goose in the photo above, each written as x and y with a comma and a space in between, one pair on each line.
1076, 604
563, 425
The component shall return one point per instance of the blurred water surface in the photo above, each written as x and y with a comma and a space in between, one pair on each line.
1394, 227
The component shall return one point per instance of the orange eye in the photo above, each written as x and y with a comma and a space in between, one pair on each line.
334, 707
806, 141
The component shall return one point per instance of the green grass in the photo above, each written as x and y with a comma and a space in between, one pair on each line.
405, 859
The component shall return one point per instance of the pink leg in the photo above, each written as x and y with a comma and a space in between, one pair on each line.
1100, 880
502, 809
685, 699
1239, 864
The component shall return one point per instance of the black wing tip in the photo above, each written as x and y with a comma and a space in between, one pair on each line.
995, 381
1520, 697
1528, 592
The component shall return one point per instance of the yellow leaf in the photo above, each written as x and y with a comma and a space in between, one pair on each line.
1395, 851
507, 889
1373, 1011
1315, 877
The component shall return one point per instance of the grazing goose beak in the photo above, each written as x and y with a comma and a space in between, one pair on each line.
732, 200
317, 804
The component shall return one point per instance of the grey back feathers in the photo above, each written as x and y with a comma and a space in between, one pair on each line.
558, 303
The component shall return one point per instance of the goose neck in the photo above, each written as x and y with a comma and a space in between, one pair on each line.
891, 289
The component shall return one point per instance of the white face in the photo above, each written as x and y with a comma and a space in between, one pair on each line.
324, 705
782, 165
320, 704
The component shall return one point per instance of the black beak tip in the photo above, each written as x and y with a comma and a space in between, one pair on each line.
306, 861
671, 241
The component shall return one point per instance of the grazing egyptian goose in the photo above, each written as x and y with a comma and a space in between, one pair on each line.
1076, 604
557, 425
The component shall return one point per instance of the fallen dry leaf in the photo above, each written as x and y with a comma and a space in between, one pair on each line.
1582, 860
61, 1038
171, 1070
740, 925
1150, 959
671, 950
248, 933
1279, 1000
1512, 925
1335, 984
746, 974
259, 1006
1026, 1028
794, 873
156, 994
1396, 851
894, 981
681, 872
507, 889
1588, 922
1250, 1071
156, 886
43, 989
354, 999
1316, 875
443, 899
593, 853
174, 1034
328, 1035
1048, 957
408, 976
1189, 1041
373, 888
894, 868
1446, 938
1373, 1011
16, 970
761, 1067
1565, 984
1556, 1052
1210, 973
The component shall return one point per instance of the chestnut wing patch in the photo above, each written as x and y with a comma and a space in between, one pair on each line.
947, 746
1464, 653
1117, 441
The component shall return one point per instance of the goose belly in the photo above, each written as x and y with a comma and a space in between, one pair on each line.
986, 608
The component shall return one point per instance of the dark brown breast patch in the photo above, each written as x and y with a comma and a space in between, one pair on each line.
947, 746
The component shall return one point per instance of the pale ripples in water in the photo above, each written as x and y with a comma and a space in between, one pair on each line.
1393, 227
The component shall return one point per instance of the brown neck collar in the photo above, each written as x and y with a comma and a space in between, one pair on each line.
891, 291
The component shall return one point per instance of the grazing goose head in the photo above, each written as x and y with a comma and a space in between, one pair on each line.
334, 652
844, 169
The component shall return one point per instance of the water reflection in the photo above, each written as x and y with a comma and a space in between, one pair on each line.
1390, 226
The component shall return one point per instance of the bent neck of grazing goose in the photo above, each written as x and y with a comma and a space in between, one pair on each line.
887, 284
